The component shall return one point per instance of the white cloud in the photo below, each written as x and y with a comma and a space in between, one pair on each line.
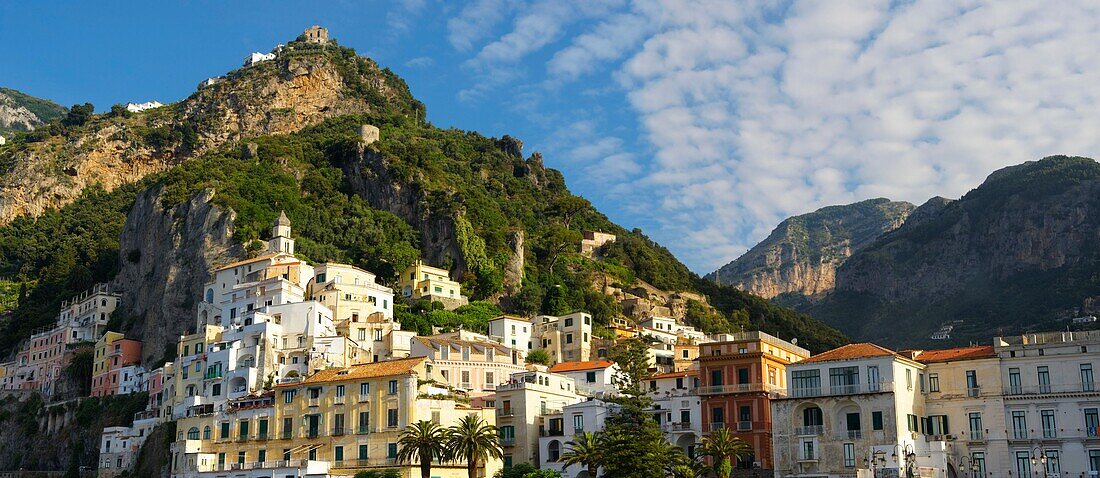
753, 113
476, 22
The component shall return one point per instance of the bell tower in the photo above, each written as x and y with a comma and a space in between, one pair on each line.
280, 235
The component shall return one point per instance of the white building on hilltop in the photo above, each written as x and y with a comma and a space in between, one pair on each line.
257, 57
139, 107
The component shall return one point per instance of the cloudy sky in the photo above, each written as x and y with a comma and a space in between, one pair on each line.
702, 123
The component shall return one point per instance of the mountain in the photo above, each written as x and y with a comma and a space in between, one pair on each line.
801, 256
21, 112
151, 201
1021, 252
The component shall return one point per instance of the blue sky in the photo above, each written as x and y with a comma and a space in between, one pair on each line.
704, 123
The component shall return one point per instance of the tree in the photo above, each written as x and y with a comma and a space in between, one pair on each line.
538, 356
723, 447
423, 442
474, 441
78, 115
544, 473
516, 471
585, 450
632, 357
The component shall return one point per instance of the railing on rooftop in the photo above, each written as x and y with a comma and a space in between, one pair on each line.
1042, 389
738, 388
827, 391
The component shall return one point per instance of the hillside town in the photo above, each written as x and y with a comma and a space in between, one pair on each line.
293, 369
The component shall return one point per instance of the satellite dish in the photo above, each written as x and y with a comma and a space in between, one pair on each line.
794, 341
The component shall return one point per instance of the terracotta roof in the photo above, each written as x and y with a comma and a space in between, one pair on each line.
852, 351
957, 353
685, 373
247, 261
388, 368
578, 366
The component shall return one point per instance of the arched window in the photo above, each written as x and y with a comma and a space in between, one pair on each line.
193, 433
209, 296
206, 433
554, 450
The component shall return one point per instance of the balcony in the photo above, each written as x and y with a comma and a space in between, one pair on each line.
744, 426
853, 389
242, 438
505, 412
286, 435
263, 436
466, 386
1045, 389
507, 441
1019, 434
977, 435
675, 427
362, 430
314, 402
339, 432
974, 392
850, 435
715, 426
737, 388
312, 433
1050, 433
810, 430
553, 432
338, 400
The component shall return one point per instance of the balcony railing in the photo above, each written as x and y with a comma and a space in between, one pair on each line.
852, 389
505, 412
1019, 434
715, 426
286, 434
850, 435
810, 430
1092, 432
362, 430
744, 426
338, 400
312, 433
1050, 433
315, 402
974, 392
263, 436
1088, 387
977, 435
507, 441
676, 427
337, 432
553, 432
736, 388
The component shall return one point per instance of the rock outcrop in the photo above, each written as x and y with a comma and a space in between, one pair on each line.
22, 112
802, 254
298, 88
166, 257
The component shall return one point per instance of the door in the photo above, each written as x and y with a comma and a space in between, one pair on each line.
313, 424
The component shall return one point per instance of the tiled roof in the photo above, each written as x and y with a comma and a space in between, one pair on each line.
388, 368
957, 353
852, 351
578, 366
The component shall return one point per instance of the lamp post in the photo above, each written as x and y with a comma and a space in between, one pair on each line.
906, 453
876, 462
1039, 459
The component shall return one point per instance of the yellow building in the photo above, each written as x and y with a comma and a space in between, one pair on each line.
341, 420
189, 387
421, 281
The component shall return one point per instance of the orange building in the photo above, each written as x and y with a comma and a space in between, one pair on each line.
113, 351
738, 375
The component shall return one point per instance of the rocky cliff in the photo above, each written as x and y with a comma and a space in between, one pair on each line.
167, 255
802, 254
22, 112
303, 85
1020, 252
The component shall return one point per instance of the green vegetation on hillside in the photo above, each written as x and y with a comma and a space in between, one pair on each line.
45, 110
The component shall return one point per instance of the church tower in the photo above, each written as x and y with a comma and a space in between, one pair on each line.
280, 235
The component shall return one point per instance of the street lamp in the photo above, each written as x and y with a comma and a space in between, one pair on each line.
907, 454
1041, 458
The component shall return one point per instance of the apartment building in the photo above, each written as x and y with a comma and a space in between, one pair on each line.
468, 361
514, 332
678, 408
334, 423
739, 375
594, 378
115, 364
421, 281
872, 407
567, 338
350, 292
529, 405
576, 418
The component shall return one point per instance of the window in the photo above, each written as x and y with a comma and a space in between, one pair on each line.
1094, 460
1023, 463
976, 430
937, 425
844, 380
288, 396
568, 338
771, 373
288, 428
742, 375
911, 421
391, 450
391, 417
206, 432
1050, 430
849, 455
339, 391
972, 388
805, 383
364, 422
286, 454
921, 380
240, 457
261, 456
978, 459
1092, 422
362, 335
908, 379
193, 433
1044, 379
490, 379
718, 417
363, 451
224, 432
338, 453
1053, 467
1019, 424
876, 420
933, 382
393, 387
1087, 384
364, 388
1014, 385
716, 378
808, 449
242, 429
338, 424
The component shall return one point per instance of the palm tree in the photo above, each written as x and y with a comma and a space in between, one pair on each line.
473, 440
423, 441
586, 450
724, 447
